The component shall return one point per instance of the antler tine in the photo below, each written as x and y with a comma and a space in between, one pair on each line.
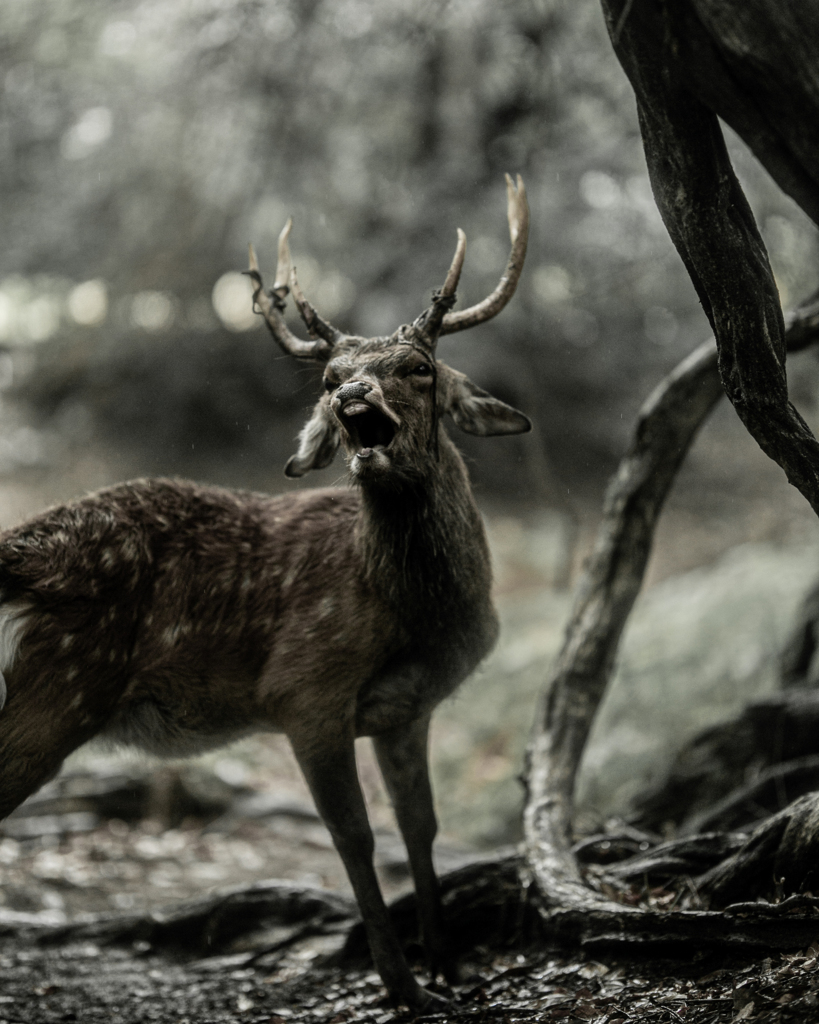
271, 304
427, 326
454, 274
283, 265
286, 281
517, 210
316, 326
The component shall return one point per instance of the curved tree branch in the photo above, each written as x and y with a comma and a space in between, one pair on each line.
665, 428
751, 62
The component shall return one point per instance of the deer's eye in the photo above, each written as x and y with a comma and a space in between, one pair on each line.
422, 370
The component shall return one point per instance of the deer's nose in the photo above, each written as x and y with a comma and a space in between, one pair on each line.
353, 389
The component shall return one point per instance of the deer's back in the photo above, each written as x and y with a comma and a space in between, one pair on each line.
174, 543
180, 609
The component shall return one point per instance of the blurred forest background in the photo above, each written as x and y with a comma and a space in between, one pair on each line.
144, 143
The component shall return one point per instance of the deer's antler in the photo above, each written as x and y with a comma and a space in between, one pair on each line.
427, 326
316, 326
517, 211
271, 306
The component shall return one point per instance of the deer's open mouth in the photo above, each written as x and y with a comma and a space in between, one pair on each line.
367, 427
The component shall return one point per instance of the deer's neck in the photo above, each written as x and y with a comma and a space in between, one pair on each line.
423, 545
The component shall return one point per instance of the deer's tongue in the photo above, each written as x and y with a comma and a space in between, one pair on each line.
356, 408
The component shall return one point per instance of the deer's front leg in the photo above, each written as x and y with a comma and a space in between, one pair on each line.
330, 770
402, 756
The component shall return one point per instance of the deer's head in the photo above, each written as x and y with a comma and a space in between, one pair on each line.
384, 398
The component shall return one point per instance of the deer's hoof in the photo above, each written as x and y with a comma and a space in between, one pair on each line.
451, 971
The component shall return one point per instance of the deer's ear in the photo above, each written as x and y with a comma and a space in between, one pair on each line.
477, 412
318, 441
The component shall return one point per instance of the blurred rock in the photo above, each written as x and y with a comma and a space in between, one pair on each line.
698, 647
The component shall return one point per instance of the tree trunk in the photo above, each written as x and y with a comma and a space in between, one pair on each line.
688, 62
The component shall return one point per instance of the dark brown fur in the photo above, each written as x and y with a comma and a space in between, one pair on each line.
179, 617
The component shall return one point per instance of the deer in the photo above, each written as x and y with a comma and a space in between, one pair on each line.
176, 617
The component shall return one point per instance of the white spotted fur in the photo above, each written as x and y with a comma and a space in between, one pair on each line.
13, 619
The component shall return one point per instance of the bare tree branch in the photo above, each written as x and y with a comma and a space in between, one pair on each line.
665, 428
706, 213
685, 62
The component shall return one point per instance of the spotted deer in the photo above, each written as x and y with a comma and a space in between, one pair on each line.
176, 617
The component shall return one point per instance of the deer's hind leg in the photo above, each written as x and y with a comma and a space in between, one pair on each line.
45, 717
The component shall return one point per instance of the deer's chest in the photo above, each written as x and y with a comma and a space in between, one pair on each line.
427, 670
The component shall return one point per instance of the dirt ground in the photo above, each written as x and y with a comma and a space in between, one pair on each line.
89, 982
59, 882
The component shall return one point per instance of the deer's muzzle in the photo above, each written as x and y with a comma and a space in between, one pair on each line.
366, 426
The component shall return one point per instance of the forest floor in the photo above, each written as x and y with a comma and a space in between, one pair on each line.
50, 973
85, 982
44, 979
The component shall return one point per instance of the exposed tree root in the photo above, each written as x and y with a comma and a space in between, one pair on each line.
737, 772
211, 924
781, 856
486, 903
680, 858
569, 907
